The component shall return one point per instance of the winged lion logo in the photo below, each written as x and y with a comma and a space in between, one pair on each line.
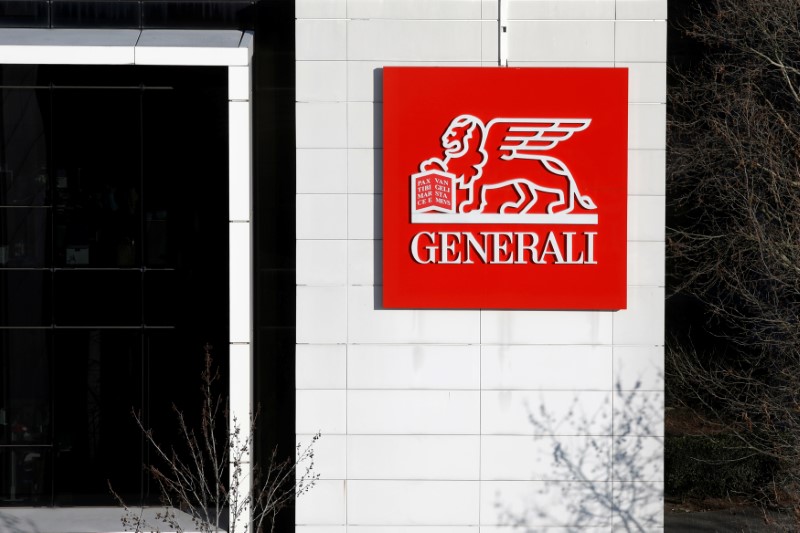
507, 155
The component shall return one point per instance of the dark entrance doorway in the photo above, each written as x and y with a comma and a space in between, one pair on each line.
113, 269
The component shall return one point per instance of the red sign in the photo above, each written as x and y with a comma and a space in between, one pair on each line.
504, 188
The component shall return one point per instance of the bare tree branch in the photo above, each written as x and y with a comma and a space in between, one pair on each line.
196, 480
734, 189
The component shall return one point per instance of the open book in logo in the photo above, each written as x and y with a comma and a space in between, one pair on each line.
499, 173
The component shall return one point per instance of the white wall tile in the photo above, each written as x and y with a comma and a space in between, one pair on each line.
546, 413
365, 171
414, 40
638, 413
561, 9
322, 411
643, 321
365, 77
413, 367
324, 504
647, 82
321, 216
642, 9
413, 408
545, 327
330, 456
412, 503
321, 81
320, 39
558, 40
647, 172
545, 529
545, 503
320, 529
417, 529
369, 324
566, 458
321, 315
639, 367
324, 9
413, 412
640, 506
558, 64
646, 218
581, 367
403, 9
643, 41
321, 366
489, 9
418, 457
638, 459
321, 262
321, 170
321, 124
646, 263
490, 41
365, 81
362, 118
364, 216
647, 126
361, 266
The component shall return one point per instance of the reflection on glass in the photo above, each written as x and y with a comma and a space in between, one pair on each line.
24, 387
25, 415
23, 237
98, 192
23, 475
96, 225
23, 143
99, 381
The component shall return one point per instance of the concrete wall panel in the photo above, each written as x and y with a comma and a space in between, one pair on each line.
442, 421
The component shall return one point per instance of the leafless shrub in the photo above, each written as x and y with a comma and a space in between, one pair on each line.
210, 477
734, 185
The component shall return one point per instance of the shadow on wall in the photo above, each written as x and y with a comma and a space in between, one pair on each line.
13, 524
377, 184
603, 480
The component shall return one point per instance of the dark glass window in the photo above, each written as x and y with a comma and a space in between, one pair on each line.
95, 14
26, 298
25, 13
141, 14
113, 269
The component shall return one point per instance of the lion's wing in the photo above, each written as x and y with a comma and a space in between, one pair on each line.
524, 137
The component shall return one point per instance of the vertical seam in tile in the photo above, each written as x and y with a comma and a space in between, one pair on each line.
614, 43
480, 414
347, 268
627, 293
